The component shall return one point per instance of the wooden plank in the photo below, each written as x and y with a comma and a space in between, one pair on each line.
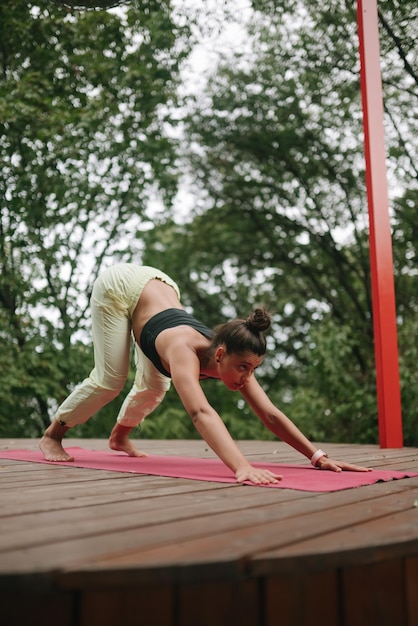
73, 541
268, 451
302, 600
93, 518
411, 583
192, 528
386, 536
87, 525
67, 496
48, 609
220, 603
374, 594
143, 604
226, 541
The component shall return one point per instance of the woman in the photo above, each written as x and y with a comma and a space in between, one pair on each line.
172, 344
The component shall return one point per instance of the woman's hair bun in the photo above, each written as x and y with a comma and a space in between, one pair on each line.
258, 320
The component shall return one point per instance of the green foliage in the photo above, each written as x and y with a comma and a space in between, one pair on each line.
274, 149
408, 349
282, 216
83, 148
338, 398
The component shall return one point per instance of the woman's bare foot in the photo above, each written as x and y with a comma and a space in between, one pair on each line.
119, 440
51, 445
53, 450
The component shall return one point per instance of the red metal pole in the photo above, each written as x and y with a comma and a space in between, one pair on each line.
383, 290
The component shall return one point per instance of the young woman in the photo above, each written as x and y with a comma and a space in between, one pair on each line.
142, 300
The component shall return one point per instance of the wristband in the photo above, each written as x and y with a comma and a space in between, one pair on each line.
316, 456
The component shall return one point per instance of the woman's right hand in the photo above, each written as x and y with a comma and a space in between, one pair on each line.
256, 475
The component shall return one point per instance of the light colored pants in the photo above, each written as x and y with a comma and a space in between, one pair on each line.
114, 298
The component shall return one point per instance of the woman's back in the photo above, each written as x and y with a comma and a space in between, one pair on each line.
156, 296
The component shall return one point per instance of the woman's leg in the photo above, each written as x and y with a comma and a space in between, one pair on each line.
146, 394
111, 341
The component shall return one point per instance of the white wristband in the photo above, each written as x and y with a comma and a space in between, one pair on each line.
316, 456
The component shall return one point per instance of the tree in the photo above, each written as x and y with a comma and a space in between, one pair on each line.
83, 102
276, 149
274, 158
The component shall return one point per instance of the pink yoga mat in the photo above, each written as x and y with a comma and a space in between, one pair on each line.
300, 477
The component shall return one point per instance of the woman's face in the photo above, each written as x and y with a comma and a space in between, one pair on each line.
235, 370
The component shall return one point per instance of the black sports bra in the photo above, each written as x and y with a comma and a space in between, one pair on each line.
170, 318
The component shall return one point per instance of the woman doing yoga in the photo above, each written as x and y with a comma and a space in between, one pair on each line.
171, 344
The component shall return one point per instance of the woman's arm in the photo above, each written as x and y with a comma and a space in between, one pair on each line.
185, 370
276, 421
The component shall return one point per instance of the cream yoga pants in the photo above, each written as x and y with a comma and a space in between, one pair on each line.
114, 298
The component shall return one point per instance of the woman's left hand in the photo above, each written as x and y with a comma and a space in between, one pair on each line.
326, 463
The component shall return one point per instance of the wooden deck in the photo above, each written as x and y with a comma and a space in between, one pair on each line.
94, 548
